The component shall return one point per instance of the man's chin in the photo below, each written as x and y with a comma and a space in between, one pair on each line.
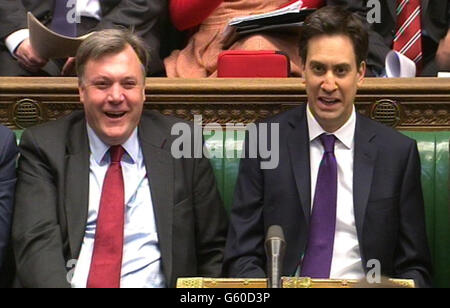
115, 138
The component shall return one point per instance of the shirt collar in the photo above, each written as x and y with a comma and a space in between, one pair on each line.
344, 134
99, 148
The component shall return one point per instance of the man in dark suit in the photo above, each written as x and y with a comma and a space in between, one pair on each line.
346, 210
435, 21
174, 221
144, 16
8, 156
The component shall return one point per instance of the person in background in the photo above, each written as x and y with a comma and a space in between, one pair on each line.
346, 191
419, 30
18, 58
205, 22
8, 156
101, 200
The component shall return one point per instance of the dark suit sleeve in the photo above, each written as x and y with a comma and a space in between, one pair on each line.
413, 257
8, 155
36, 235
211, 220
13, 17
244, 253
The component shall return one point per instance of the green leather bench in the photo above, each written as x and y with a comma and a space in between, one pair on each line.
434, 155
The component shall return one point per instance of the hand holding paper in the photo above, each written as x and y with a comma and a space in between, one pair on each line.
28, 58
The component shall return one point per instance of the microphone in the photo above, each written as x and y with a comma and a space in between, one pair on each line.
275, 246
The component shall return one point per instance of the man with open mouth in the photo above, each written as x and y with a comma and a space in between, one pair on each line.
101, 200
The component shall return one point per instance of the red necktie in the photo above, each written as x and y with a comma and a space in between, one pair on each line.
106, 261
408, 39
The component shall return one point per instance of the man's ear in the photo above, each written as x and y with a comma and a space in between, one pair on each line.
81, 90
302, 68
361, 72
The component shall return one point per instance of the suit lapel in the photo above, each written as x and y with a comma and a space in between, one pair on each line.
298, 145
159, 165
77, 186
364, 162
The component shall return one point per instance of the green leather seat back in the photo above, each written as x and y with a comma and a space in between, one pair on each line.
434, 156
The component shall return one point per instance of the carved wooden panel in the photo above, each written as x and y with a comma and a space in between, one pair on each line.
417, 104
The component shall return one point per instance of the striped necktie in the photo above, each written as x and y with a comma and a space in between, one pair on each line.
408, 38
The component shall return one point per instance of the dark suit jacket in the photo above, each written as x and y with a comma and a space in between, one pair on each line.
143, 15
52, 202
8, 155
435, 22
388, 202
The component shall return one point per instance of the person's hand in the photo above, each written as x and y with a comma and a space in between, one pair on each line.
29, 58
69, 67
443, 54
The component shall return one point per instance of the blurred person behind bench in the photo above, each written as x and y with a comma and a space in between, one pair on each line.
205, 21
18, 58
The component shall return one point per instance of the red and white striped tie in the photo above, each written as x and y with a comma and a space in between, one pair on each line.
408, 39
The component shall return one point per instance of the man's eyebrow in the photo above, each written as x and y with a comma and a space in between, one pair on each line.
339, 65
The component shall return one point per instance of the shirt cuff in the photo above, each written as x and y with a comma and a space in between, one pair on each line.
15, 39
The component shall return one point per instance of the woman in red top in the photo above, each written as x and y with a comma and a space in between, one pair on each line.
199, 58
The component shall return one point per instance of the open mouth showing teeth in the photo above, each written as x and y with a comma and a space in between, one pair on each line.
329, 101
114, 115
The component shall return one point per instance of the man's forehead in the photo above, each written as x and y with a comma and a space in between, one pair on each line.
337, 49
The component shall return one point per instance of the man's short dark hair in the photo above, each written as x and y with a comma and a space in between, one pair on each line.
335, 20
110, 41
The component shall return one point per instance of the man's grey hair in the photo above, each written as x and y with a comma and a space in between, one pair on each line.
107, 42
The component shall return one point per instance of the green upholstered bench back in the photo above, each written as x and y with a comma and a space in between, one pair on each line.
434, 155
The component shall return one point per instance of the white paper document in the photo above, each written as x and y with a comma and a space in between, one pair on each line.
292, 8
398, 65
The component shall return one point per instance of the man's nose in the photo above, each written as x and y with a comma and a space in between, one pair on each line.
115, 94
329, 83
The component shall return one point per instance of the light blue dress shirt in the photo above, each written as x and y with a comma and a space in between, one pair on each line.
141, 262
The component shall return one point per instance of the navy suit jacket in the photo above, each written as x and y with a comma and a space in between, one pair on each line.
8, 155
387, 196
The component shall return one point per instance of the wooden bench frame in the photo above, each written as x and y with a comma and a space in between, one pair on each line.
407, 104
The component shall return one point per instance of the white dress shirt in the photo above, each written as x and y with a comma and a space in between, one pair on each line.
141, 262
346, 262
88, 8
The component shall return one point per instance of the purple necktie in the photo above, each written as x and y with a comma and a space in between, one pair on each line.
319, 250
61, 23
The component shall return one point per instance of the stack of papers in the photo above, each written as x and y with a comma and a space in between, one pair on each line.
288, 19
